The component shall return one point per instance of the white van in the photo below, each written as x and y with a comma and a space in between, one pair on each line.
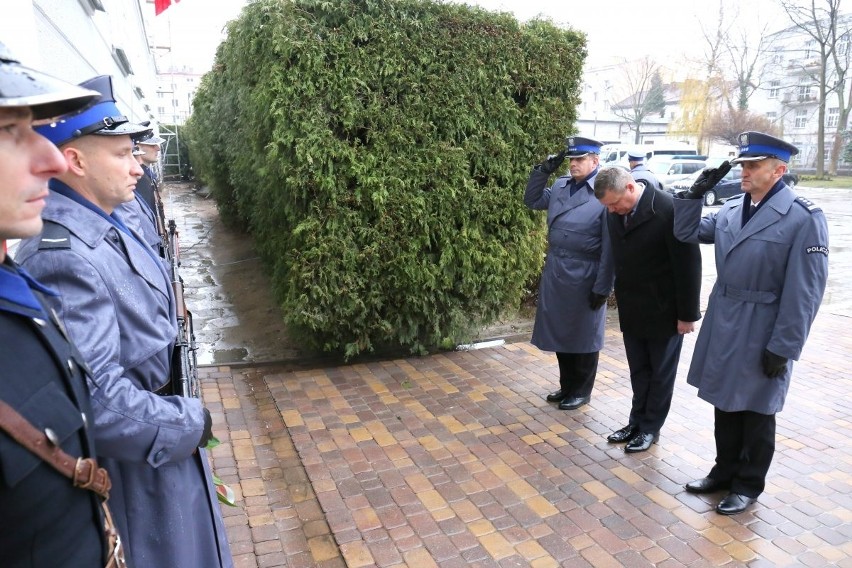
616, 154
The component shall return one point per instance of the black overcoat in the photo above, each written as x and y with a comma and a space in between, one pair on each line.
657, 277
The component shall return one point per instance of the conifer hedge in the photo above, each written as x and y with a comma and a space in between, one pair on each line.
377, 151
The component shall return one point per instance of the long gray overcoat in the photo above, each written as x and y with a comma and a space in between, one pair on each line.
771, 275
118, 306
578, 262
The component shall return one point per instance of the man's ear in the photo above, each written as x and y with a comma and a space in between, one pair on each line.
76, 160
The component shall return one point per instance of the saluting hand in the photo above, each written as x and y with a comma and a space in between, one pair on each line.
707, 180
552, 163
596, 301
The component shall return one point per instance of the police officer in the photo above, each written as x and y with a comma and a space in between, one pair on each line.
149, 159
640, 172
117, 302
771, 251
138, 215
577, 276
45, 520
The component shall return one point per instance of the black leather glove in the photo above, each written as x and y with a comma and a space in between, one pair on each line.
707, 180
596, 301
208, 429
773, 365
552, 163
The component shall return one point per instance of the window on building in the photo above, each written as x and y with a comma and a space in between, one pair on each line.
778, 58
804, 92
161, 111
774, 89
772, 115
174, 102
809, 48
801, 118
833, 117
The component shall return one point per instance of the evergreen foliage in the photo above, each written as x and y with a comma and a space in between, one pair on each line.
377, 150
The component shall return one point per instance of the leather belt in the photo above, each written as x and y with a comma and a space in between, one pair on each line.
84, 472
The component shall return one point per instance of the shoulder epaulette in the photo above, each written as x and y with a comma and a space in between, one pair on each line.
807, 204
54, 236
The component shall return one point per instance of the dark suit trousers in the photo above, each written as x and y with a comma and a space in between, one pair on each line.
745, 444
577, 373
653, 368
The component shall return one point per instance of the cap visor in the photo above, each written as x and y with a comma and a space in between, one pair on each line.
47, 97
131, 129
742, 159
576, 154
152, 141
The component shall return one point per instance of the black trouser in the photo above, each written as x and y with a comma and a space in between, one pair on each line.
745, 444
577, 373
653, 368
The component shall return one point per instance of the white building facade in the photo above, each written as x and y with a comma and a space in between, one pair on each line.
76, 40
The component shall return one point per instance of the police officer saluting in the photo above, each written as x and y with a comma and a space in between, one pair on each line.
118, 304
44, 519
578, 271
772, 263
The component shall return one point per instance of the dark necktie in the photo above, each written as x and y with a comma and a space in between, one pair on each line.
628, 220
751, 210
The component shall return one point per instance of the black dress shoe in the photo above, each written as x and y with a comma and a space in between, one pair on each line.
706, 485
574, 402
734, 503
555, 396
641, 442
623, 435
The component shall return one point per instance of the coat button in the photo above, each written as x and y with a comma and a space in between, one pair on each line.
51, 435
71, 365
159, 456
39, 322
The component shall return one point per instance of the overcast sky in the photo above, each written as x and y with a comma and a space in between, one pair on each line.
663, 29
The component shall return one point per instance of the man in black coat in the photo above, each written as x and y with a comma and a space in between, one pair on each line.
45, 520
657, 287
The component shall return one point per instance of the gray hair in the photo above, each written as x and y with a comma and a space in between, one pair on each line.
612, 178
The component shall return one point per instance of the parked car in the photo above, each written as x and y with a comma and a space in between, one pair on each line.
669, 170
728, 186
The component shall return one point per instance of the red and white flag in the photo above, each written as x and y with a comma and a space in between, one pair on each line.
161, 5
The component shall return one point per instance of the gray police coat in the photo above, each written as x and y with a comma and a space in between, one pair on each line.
118, 306
641, 173
579, 261
771, 278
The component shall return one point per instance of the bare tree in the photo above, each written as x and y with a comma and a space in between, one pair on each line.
841, 60
642, 92
744, 55
819, 23
727, 124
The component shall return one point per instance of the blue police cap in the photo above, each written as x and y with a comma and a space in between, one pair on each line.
759, 146
636, 155
577, 146
47, 97
102, 118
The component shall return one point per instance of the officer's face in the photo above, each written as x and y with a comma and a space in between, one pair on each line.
108, 169
759, 176
152, 152
27, 161
581, 167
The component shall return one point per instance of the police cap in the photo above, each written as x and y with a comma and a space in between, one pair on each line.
102, 118
577, 146
47, 97
759, 146
636, 155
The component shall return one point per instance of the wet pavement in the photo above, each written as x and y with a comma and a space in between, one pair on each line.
454, 459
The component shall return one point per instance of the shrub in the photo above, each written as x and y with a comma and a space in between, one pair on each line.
378, 150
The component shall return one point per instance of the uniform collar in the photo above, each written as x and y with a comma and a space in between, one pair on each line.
16, 290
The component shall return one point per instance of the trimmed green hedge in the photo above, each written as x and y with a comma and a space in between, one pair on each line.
378, 150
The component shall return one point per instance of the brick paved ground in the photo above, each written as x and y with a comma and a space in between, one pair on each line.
455, 460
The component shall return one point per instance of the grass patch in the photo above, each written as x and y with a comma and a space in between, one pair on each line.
827, 182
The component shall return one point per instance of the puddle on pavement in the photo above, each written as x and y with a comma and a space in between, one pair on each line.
220, 356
